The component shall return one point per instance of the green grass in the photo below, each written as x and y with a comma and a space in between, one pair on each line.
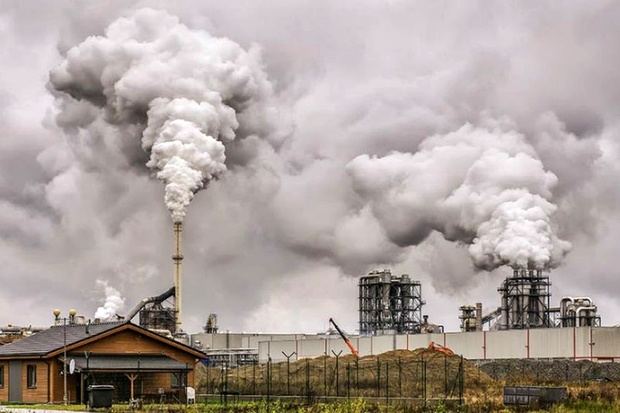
354, 406
71, 407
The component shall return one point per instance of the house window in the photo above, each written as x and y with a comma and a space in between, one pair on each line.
177, 380
31, 372
1, 376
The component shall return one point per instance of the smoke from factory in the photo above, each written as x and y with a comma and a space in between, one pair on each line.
183, 92
374, 100
481, 186
113, 302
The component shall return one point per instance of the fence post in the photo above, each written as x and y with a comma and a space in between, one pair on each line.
288, 371
348, 381
308, 380
445, 376
325, 392
357, 377
378, 378
226, 369
462, 381
221, 386
268, 379
337, 355
208, 379
424, 380
400, 378
254, 378
387, 382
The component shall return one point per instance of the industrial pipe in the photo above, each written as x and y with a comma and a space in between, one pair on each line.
156, 299
581, 309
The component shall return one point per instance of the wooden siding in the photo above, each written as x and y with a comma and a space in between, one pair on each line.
57, 384
4, 390
132, 342
37, 394
49, 386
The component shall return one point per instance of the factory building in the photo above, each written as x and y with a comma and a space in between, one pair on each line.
389, 304
390, 318
138, 362
525, 299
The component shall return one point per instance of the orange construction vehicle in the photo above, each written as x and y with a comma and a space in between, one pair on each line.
442, 349
345, 338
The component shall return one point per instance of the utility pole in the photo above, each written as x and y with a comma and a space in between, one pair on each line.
64, 364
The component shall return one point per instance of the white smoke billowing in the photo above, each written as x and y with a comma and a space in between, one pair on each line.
484, 187
358, 78
113, 303
184, 92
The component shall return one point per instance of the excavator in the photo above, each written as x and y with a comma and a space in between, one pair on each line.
345, 338
442, 349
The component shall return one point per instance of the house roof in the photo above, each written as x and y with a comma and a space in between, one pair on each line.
53, 338
135, 362
52, 341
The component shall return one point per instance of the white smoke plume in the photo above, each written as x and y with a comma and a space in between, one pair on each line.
113, 303
484, 187
184, 92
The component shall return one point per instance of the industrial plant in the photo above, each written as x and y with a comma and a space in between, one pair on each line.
391, 317
525, 303
525, 325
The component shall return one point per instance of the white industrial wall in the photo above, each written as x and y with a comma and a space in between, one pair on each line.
596, 343
242, 340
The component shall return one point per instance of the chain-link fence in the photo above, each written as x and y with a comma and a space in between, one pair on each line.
393, 380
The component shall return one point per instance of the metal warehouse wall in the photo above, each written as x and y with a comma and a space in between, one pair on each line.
595, 343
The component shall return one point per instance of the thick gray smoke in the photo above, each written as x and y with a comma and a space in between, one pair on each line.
482, 187
398, 83
183, 91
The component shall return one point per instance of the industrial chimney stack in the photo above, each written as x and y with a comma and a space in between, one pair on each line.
178, 259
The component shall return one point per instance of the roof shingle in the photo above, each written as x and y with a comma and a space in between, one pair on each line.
52, 339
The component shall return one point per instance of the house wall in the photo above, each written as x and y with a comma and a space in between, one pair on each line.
131, 342
57, 384
4, 390
37, 394
50, 385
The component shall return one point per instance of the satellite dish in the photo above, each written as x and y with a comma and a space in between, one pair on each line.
71, 366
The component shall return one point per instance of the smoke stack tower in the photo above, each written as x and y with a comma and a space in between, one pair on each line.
177, 258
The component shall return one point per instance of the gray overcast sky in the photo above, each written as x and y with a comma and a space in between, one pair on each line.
277, 242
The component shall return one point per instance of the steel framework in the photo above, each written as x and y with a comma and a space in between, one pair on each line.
525, 300
389, 304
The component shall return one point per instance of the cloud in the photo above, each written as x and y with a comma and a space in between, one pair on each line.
354, 79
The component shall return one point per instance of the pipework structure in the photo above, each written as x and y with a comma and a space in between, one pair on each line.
525, 300
389, 304
578, 312
177, 259
471, 317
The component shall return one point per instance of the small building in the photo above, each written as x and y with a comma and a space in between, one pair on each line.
138, 362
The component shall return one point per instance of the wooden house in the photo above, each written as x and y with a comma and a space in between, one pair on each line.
133, 359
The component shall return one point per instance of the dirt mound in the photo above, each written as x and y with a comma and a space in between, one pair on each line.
398, 373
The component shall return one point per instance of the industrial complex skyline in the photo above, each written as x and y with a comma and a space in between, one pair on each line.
329, 139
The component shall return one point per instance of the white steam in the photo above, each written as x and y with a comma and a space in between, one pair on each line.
113, 303
185, 92
484, 187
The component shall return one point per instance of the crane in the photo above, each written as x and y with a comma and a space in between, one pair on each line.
345, 338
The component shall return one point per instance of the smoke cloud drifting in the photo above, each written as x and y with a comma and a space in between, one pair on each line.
391, 85
479, 186
183, 91
113, 304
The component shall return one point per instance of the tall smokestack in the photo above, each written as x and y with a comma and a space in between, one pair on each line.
178, 259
